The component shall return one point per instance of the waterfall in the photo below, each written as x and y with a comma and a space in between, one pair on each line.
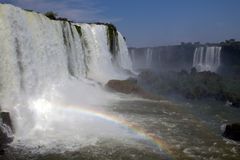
123, 56
207, 58
149, 55
99, 59
37, 54
142, 58
133, 56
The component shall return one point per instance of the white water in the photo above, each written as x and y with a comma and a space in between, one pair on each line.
132, 55
207, 58
123, 56
6, 130
149, 57
135, 59
46, 66
98, 57
142, 59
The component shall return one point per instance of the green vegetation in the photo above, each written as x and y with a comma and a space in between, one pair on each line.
112, 39
79, 30
193, 85
70, 26
85, 46
111, 31
64, 36
28, 10
63, 19
51, 15
54, 16
230, 57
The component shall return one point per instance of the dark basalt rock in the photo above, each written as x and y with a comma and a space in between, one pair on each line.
130, 86
236, 104
5, 116
6, 131
232, 131
124, 86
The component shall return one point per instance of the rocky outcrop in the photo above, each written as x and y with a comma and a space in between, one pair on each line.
232, 131
5, 116
6, 131
130, 86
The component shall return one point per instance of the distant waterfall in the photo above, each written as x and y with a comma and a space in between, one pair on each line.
207, 58
133, 56
149, 57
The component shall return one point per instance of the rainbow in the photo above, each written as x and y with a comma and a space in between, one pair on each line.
154, 139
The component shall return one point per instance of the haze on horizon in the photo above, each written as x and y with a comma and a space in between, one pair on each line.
151, 22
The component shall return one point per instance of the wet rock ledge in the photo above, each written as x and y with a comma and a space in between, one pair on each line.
130, 86
232, 131
6, 131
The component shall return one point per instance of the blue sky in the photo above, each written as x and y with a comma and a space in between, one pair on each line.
152, 22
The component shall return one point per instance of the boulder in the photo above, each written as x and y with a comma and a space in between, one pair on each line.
6, 131
5, 116
130, 86
232, 131
124, 86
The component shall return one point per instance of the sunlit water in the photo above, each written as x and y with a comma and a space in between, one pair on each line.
186, 133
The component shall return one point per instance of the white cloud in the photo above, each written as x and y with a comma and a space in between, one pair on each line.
77, 10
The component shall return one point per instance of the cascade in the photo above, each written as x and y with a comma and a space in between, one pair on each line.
207, 58
149, 54
39, 55
133, 56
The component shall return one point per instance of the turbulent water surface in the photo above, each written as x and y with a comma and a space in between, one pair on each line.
184, 133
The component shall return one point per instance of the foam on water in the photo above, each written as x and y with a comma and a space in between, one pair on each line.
53, 125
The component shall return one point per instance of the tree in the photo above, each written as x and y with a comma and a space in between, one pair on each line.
232, 40
193, 71
51, 15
